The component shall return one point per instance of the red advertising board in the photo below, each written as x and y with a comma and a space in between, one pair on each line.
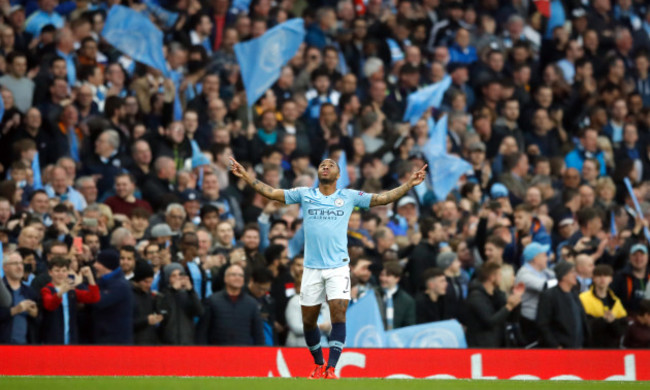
295, 362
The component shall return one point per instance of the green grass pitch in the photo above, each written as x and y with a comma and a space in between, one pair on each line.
175, 383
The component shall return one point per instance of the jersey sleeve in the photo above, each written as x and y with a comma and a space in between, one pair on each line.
294, 195
361, 199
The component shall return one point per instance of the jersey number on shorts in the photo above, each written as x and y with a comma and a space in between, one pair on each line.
347, 289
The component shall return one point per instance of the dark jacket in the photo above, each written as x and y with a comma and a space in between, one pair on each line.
486, 317
629, 289
108, 170
112, 316
427, 310
6, 319
404, 308
144, 304
52, 325
159, 192
231, 322
182, 307
422, 258
556, 320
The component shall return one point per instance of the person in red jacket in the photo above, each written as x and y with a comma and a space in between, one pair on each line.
60, 298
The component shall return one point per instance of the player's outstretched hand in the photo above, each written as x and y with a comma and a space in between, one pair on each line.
236, 168
418, 176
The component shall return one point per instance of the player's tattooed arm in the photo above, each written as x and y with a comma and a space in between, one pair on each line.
389, 196
416, 178
262, 188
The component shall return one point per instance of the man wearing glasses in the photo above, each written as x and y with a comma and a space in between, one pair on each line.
17, 322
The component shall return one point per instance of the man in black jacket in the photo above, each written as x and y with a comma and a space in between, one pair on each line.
488, 309
561, 318
430, 305
231, 316
159, 189
146, 314
424, 254
113, 314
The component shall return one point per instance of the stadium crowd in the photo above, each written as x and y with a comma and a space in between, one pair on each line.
119, 232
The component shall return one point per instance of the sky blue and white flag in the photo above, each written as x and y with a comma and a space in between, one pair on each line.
439, 334
344, 179
637, 206
364, 327
437, 143
36, 172
421, 100
167, 18
136, 36
445, 171
261, 59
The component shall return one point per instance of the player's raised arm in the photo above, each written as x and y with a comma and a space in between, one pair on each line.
396, 193
262, 188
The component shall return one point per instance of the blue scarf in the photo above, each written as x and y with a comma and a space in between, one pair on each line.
66, 317
269, 139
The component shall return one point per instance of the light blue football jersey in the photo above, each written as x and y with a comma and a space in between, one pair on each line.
325, 222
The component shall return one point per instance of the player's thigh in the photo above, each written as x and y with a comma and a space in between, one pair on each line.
312, 287
337, 283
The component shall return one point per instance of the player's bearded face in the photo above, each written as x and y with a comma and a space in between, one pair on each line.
328, 172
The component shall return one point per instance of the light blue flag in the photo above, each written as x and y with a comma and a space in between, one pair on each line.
240, 6
445, 170
2, 108
344, 179
134, 35
612, 224
36, 172
198, 158
440, 334
437, 143
364, 327
637, 206
261, 59
167, 18
420, 101
2, 255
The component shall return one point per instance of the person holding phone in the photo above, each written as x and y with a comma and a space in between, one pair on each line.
60, 298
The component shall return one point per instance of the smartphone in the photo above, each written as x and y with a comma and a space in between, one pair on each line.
71, 279
494, 205
90, 222
163, 312
77, 243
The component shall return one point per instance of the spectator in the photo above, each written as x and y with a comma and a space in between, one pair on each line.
398, 309
231, 316
587, 148
17, 82
147, 310
606, 316
259, 287
536, 278
127, 261
182, 305
112, 316
60, 297
527, 229
124, 200
638, 333
430, 305
629, 282
106, 161
18, 320
489, 309
560, 316
159, 189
